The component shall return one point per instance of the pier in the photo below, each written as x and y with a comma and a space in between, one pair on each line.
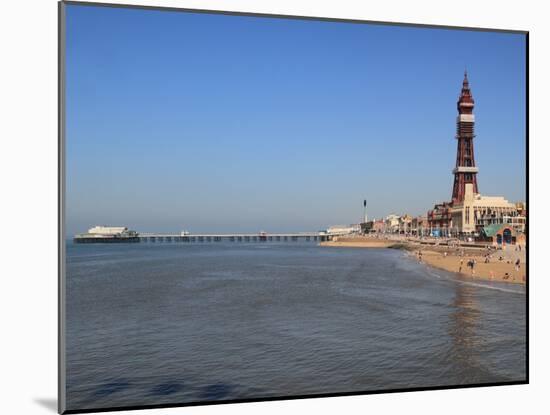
109, 234
237, 237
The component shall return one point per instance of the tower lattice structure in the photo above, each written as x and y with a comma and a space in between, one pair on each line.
465, 171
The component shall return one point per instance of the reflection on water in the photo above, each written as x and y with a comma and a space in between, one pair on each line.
154, 324
464, 327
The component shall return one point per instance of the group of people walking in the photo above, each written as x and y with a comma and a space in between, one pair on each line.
470, 264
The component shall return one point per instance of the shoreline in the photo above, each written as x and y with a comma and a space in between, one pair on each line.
500, 266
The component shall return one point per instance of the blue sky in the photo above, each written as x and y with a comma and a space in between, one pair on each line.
232, 123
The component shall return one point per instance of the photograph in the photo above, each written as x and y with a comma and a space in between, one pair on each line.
259, 207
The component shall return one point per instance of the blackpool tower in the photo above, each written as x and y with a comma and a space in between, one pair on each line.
465, 171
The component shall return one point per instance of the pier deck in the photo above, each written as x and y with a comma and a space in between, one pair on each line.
240, 237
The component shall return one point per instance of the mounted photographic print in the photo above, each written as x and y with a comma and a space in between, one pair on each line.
258, 207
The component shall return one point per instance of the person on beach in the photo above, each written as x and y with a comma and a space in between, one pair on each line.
517, 265
460, 267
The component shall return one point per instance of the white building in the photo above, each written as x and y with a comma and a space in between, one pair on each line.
343, 229
477, 211
109, 230
392, 223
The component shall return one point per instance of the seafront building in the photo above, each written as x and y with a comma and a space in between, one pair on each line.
392, 223
475, 212
379, 226
469, 212
340, 229
420, 226
375, 226
405, 222
516, 220
501, 234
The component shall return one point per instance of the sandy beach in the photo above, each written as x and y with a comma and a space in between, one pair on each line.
492, 265
494, 270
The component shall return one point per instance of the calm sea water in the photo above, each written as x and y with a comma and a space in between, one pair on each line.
173, 323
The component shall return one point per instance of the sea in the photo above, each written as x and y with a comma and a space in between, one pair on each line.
176, 323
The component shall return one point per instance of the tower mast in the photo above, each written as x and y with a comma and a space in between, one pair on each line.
465, 170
